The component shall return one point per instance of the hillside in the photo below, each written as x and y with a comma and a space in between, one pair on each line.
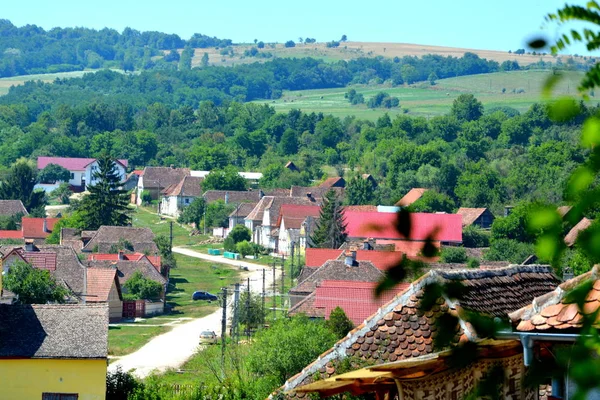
425, 99
352, 50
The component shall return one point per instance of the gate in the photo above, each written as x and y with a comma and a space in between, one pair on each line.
134, 308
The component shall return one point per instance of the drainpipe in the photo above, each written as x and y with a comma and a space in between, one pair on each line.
527, 339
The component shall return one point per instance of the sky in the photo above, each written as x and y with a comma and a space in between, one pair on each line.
475, 24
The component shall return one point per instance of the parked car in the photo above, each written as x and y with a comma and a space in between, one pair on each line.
208, 337
199, 295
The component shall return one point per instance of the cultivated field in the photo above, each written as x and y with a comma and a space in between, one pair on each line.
6, 83
424, 99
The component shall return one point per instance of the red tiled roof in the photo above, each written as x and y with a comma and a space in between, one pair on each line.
99, 283
33, 228
37, 259
582, 225
410, 248
138, 172
11, 234
357, 299
155, 260
361, 208
317, 257
295, 214
381, 259
380, 225
72, 164
332, 182
410, 197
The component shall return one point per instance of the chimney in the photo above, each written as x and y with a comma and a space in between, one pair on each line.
29, 245
44, 225
366, 245
172, 166
120, 255
226, 197
261, 194
567, 274
351, 258
310, 196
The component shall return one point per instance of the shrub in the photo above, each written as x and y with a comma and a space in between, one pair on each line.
146, 197
475, 237
240, 233
290, 43
142, 288
508, 250
120, 385
229, 245
244, 248
472, 262
453, 255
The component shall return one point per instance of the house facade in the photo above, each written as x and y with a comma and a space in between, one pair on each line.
82, 169
156, 179
290, 222
481, 217
176, 197
53, 351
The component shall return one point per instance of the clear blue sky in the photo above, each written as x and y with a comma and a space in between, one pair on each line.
478, 24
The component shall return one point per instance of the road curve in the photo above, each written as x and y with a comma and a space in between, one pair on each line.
173, 348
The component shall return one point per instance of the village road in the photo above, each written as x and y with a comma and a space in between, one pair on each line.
173, 348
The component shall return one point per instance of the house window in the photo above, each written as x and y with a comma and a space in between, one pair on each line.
72, 175
187, 201
60, 396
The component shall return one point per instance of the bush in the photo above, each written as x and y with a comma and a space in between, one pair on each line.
472, 262
475, 237
240, 233
509, 250
244, 248
139, 287
229, 245
146, 197
120, 385
290, 43
453, 255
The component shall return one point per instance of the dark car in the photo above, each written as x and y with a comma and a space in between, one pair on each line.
204, 296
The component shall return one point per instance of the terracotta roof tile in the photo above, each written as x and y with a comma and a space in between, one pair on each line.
470, 215
105, 237
11, 234
161, 177
410, 197
574, 232
333, 182
294, 215
188, 186
33, 228
127, 268
316, 257
99, 282
243, 210
155, 260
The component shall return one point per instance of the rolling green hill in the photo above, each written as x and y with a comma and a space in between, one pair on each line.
522, 88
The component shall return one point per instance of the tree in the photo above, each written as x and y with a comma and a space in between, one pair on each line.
226, 179
432, 201
290, 43
344, 38
339, 323
475, 237
139, 287
466, 108
289, 142
244, 248
32, 285
432, 78
193, 213
53, 173
359, 191
453, 255
251, 312
217, 214
331, 229
288, 346
19, 185
240, 233
204, 60
260, 45
107, 203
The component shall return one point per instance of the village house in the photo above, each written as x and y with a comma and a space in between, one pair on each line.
177, 196
37, 229
75, 238
122, 256
398, 340
156, 179
111, 239
481, 217
53, 351
237, 216
337, 181
12, 208
233, 196
82, 170
291, 166
103, 287
410, 197
581, 226
290, 220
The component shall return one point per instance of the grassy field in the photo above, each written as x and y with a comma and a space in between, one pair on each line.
127, 339
146, 217
427, 100
6, 83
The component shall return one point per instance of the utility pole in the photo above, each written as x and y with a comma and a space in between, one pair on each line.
248, 316
236, 313
263, 297
223, 329
171, 233
273, 294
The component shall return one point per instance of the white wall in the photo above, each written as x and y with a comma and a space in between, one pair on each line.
93, 167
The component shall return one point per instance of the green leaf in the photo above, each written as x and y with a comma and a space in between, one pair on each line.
564, 109
546, 247
544, 218
580, 181
590, 136
550, 84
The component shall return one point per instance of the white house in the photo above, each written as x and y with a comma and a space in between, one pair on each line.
81, 169
180, 195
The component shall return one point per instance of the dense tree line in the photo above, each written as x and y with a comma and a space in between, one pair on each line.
32, 50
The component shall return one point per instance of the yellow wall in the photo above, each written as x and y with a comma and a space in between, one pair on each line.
29, 378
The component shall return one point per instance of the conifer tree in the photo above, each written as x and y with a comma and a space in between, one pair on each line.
331, 228
107, 202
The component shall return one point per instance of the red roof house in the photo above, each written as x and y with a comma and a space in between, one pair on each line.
72, 164
380, 225
410, 197
154, 260
333, 182
315, 257
11, 234
37, 228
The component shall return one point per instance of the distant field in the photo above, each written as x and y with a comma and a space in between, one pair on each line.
424, 99
350, 50
6, 83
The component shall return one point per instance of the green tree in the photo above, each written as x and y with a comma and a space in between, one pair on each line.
359, 191
251, 312
288, 346
432, 78
217, 214
32, 285
516, 224
138, 287
240, 233
19, 185
193, 213
509, 250
331, 229
466, 108
433, 201
339, 323
244, 248
225, 179
453, 255
106, 204
204, 60
475, 237
289, 142
54, 173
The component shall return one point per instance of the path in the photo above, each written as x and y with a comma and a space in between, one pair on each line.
173, 348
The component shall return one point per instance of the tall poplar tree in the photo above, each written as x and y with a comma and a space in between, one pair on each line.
107, 202
331, 228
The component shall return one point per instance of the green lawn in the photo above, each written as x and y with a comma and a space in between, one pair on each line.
146, 217
127, 339
426, 100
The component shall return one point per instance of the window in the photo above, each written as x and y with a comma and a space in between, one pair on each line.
60, 396
187, 201
72, 175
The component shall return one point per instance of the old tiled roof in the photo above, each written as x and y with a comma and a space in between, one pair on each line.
38, 259
127, 268
469, 215
272, 205
410, 248
363, 271
11, 234
333, 182
155, 260
188, 186
316, 193
99, 282
382, 225
33, 228
574, 233
553, 310
383, 260
277, 192
306, 272
68, 268
62, 331
410, 197
12, 207
294, 215
400, 330
233, 196
72, 164
357, 299
242, 210
367, 208
563, 210
161, 177
105, 237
